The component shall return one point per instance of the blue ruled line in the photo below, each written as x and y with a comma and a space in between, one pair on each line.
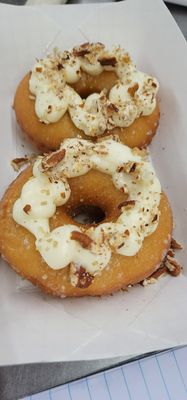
69, 392
163, 380
124, 377
50, 397
88, 389
108, 389
143, 376
179, 370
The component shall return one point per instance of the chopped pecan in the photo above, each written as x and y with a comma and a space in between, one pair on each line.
112, 108
173, 266
52, 160
27, 208
127, 203
159, 272
121, 245
132, 90
155, 218
82, 50
175, 245
38, 69
129, 167
59, 66
84, 240
111, 61
126, 58
81, 53
170, 253
49, 109
120, 169
133, 168
84, 278
17, 163
148, 281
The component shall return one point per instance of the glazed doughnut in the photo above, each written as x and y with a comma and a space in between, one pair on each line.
42, 241
87, 92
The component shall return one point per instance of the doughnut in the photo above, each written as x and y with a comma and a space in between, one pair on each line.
88, 92
43, 241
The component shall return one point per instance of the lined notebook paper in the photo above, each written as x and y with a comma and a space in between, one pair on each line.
158, 377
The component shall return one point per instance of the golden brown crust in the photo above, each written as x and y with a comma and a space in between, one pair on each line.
17, 245
138, 134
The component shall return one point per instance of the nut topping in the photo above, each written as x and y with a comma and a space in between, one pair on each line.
112, 108
59, 66
52, 160
175, 245
132, 90
17, 163
155, 218
159, 272
38, 69
82, 50
81, 53
111, 61
173, 266
84, 240
27, 208
127, 203
84, 278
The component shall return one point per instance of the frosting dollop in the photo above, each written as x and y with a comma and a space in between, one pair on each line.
48, 188
133, 95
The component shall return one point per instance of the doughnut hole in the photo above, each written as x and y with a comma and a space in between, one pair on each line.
17, 245
87, 214
90, 190
50, 136
89, 84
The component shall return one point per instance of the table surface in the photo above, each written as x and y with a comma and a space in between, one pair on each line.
22, 380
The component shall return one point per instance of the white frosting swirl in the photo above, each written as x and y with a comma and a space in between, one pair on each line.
48, 188
134, 94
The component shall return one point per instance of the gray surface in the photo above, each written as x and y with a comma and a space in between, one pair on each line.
180, 15
19, 381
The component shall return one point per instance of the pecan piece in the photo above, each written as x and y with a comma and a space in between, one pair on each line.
27, 208
154, 85
52, 160
84, 278
173, 266
120, 169
130, 167
155, 218
59, 66
112, 108
84, 240
127, 203
170, 253
82, 50
133, 168
175, 245
159, 272
132, 90
81, 53
38, 69
17, 163
111, 61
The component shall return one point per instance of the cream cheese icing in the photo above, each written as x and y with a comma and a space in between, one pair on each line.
132, 96
48, 188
